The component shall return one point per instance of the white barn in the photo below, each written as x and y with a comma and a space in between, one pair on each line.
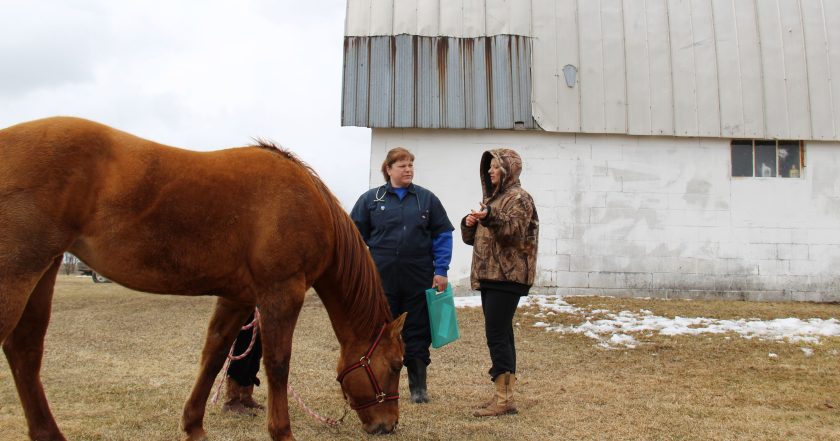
674, 148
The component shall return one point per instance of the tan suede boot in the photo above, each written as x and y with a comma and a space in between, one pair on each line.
489, 402
234, 402
246, 396
503, 403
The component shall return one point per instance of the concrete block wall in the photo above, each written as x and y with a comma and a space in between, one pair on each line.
648, 216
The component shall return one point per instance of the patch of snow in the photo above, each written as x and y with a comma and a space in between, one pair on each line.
613, 330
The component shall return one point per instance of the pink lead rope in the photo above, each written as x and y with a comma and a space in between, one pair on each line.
324, 420
230, 357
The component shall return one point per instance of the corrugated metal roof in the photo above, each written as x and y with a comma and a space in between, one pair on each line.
437, 82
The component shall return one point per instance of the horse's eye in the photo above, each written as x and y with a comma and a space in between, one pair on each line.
396, 368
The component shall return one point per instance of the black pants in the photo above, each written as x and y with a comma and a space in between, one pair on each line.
405, 280
499, 308
244, 371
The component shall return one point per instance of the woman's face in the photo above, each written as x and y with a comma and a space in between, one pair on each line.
401, 173
495, 172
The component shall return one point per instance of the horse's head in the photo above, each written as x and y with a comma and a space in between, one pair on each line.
371, 380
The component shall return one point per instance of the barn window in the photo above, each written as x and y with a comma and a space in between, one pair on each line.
767, 158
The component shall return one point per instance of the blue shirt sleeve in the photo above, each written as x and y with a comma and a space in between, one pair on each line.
442, 252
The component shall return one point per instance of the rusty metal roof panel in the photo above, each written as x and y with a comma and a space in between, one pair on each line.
348, 92
475, 80
381, 83
501, 111
428, 84
452, 74
521, 54
356, 81
437, 82
403, 81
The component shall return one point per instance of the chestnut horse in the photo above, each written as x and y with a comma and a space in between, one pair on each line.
253, 226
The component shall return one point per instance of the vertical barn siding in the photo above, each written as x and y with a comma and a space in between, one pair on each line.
684, 70
796, 70
474, 22
728, 62
561, 103
659, 53
591, 67
615, 94
772, 69
520, 66
709, 68
475, 81
381, 82
705, 58
750, 80
381, 17
404, 83
454, 110
638, 74
428, 18
444, 82
428, 84
405, 18
831, 15
501, 110
822, 126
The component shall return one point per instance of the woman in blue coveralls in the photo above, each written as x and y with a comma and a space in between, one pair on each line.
410, 239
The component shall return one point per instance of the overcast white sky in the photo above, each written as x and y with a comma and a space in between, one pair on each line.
202, 75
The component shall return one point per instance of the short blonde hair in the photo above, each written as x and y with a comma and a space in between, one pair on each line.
394, 155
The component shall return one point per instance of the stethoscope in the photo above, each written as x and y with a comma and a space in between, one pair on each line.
381, 198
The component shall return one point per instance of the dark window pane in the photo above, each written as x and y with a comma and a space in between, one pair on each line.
789, 166
765, 159
742, 164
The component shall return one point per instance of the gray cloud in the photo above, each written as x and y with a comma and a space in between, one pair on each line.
196, 74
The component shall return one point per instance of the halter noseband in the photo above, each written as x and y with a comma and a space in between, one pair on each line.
379, 395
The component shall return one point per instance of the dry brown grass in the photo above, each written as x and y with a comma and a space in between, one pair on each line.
119, 365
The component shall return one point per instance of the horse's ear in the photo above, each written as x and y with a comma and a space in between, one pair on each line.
397, 325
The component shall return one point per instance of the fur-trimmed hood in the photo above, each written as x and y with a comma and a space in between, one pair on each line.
511, 165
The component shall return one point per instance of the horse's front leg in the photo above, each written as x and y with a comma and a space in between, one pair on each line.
24, 349
228, 317
279, 310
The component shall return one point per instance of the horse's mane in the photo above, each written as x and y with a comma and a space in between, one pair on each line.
364, 297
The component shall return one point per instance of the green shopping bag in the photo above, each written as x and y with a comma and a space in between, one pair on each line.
442, 317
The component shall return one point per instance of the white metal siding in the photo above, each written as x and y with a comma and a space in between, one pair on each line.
831, 17
714, 68
436, 18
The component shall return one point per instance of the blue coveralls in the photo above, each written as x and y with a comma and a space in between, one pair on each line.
401, 235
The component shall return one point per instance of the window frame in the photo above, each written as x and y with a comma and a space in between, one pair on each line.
742, 142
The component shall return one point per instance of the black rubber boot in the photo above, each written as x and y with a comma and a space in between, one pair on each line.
417, 381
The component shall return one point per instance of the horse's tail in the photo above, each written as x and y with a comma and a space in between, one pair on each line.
364, 297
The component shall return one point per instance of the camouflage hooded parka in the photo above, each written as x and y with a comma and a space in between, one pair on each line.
505, 241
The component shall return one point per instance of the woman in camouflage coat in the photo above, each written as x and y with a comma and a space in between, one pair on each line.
504, 239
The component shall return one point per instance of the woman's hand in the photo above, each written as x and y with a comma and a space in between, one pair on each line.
481, 214
470, 220
439, 283
476, 216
